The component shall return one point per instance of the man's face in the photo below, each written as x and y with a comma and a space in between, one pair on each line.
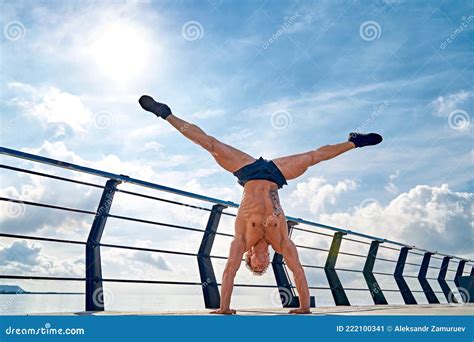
259, 261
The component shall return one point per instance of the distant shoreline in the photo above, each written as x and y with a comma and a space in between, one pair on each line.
27, 293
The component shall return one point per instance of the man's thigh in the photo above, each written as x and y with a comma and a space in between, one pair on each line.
229, 157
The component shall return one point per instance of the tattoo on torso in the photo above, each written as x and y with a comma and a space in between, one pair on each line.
275, 202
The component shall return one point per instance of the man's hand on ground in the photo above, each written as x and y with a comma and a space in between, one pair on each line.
224, 312
301, 311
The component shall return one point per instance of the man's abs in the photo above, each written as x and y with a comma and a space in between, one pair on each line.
260, 213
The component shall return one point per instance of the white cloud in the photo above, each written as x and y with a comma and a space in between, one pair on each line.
434, 218
443, 105
52, 106
391, 187
22, 257
316, 193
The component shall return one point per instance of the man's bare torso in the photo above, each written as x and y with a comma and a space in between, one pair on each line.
260, 216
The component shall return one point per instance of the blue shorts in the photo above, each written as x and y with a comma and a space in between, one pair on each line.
261, 169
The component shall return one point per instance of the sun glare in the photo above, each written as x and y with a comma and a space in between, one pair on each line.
121, 51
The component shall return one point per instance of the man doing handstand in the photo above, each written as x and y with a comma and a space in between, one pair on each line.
260, 220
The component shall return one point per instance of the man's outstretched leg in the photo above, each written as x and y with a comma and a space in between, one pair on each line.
228, 157
295, 165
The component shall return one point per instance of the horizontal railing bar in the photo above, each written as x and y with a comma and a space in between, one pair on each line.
383, 259
314, 224
162, 199
139, 281
353, 254
358, 241
166, 282
154, 223
388, 247
127, 179
224, 234
39, 238
228, 214
311, 266
383, 273
169, 282
41, 174
415, 253
109, 175
6, 276
36, 204
145, 249
311, 231
110, 215
165, 251
312, 248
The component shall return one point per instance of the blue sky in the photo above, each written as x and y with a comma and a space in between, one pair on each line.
71, 80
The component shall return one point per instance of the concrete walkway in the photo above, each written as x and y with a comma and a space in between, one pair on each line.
402, 310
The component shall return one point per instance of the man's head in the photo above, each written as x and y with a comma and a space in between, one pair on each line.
257, 259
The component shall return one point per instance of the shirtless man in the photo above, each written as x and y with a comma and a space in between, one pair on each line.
260, 220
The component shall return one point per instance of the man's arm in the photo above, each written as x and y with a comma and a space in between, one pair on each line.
292, 261
237, 248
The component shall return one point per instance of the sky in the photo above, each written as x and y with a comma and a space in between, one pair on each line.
271, 78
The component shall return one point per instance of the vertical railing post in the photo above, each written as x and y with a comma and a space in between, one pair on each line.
288, 297
459, 273
425, 285
465, 284
398, 274
375, 290
335, 284
94, 288
210, 289
442, 280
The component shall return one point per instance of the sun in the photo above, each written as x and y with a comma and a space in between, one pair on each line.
120, 51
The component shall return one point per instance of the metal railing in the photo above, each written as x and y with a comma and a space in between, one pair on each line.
94, 299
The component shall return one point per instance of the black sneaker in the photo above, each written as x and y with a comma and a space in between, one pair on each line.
159, 109
361, 140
